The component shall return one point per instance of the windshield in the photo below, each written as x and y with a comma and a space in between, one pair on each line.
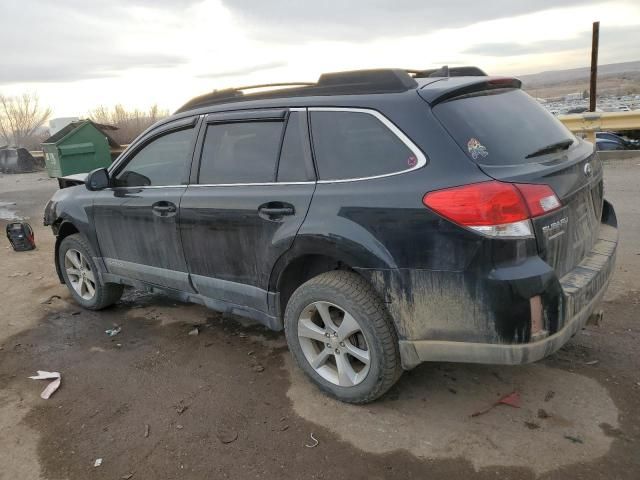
503, 127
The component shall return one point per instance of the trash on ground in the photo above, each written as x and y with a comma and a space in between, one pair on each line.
51, 299
512, 399
112, 332
127, 476
258, 368
146, 430
542, 413
18, 160
194, 332
573, 439
98, 462
592, 362
52, 387
19, 274
227, 436
313, 445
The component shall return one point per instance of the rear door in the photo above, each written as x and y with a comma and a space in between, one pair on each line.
512, 138
136, 220
249, 194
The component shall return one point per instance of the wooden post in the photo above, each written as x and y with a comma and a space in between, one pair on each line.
594, 72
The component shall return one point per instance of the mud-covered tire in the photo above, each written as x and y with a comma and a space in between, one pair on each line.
105, 294
347, 291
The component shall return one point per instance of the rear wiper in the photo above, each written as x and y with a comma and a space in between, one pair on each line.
563, 145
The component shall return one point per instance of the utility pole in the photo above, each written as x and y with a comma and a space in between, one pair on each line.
591, 136
594, 66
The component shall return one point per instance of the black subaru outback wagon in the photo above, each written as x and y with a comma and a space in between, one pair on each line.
383, 218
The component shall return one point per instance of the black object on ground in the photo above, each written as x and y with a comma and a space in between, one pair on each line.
18, 160
20, 234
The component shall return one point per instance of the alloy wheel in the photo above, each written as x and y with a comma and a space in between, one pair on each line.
79, 273
333, 343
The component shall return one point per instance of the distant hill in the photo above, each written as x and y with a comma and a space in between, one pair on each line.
614, 78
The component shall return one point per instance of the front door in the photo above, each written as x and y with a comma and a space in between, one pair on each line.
247, 201
136, 220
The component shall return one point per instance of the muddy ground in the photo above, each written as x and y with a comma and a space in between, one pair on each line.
157, 403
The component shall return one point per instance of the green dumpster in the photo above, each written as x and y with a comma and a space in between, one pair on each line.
78, 148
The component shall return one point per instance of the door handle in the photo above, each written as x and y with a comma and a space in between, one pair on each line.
164, 209
275, 210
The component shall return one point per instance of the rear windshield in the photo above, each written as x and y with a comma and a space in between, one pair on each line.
502, 127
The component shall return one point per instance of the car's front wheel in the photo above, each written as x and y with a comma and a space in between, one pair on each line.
342, 337
81, 275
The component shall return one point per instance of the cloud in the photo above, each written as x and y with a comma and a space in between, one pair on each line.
71, 40
360, 20
69, 70
611, 38
243, 70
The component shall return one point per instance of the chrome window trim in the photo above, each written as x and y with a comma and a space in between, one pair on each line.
264, 184
421, 157
145, 187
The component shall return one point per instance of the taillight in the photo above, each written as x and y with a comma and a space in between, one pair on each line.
540, 198
494, 208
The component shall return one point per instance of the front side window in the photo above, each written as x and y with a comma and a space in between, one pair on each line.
356, 145
163, 161
243, 152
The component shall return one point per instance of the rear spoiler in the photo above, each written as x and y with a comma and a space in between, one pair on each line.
447, 88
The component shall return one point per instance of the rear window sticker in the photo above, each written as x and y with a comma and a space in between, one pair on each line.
476, 149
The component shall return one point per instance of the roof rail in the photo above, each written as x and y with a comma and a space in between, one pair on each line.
267, 85
382, 80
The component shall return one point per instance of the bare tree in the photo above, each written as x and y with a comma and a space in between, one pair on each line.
130, 123
20, 118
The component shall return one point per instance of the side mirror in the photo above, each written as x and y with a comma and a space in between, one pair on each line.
97, 179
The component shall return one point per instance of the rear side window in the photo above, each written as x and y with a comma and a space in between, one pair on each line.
502, 127
244, 152
355, 145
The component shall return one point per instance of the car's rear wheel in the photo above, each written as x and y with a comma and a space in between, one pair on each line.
81, 275
341, 336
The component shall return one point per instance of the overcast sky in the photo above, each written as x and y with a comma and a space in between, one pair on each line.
77, 54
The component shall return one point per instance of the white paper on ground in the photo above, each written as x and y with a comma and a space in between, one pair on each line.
52, 387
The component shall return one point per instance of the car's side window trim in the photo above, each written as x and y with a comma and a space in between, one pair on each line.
242, 116
420, 156
274, 114
285, 124
136, 147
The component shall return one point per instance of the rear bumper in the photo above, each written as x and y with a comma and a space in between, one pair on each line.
582, 291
